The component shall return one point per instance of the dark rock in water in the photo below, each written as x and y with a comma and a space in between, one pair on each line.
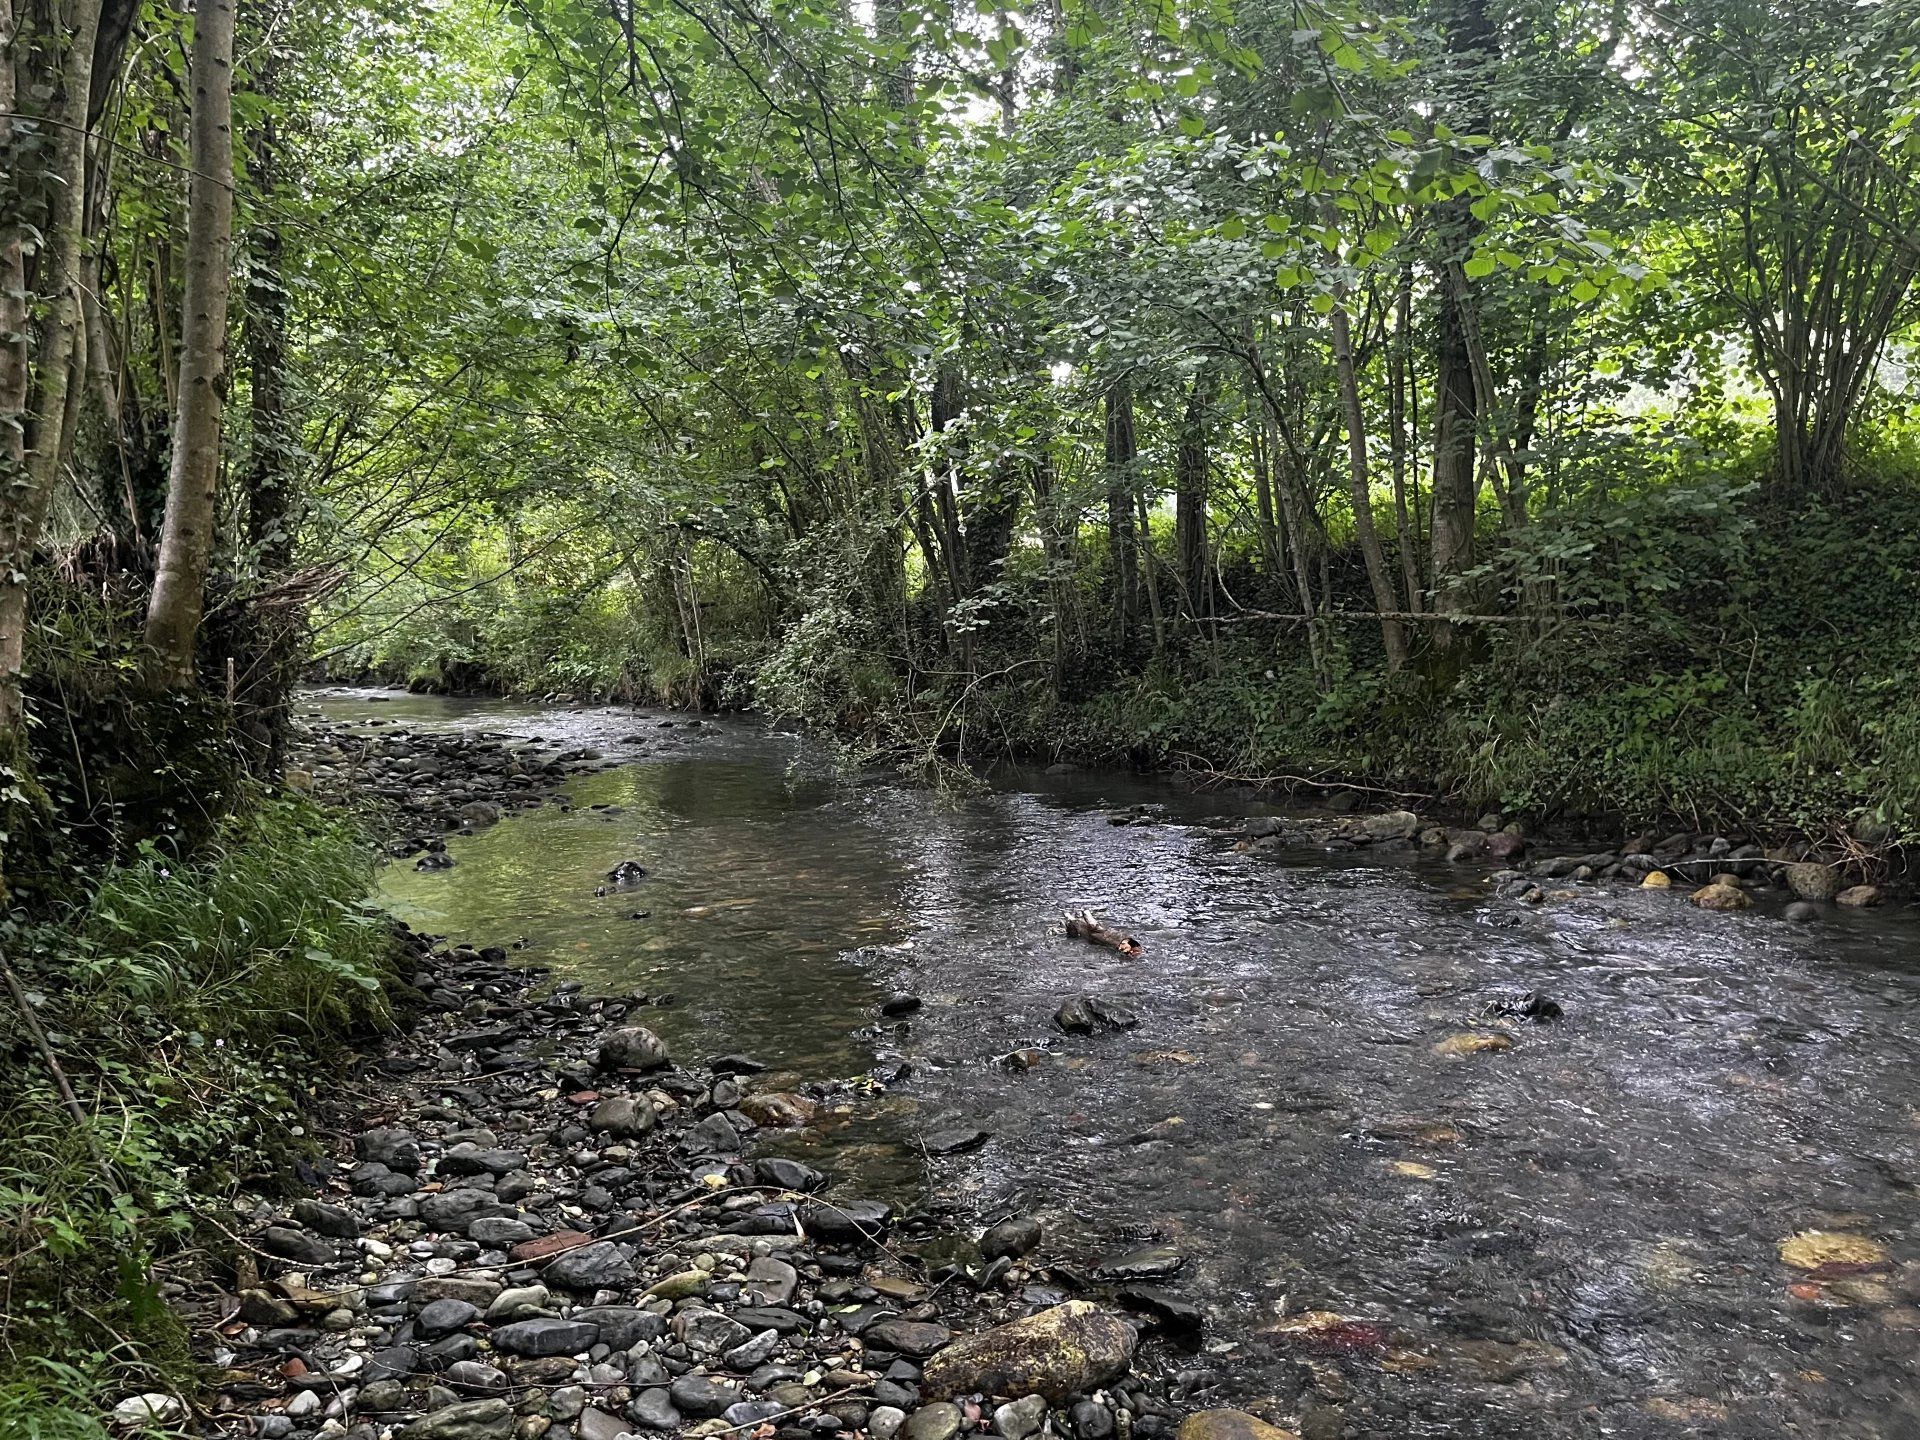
736, 1065
954, 1142
333, 1220
433, 860
395, 1149
906, 1337
627, 872
1012, 1237
443, 1317
699, 1396
848, 1222
1061, 1353
632, 1048
788, 1174
545, 1337
1177, 1315
894, 1006
1086, 1015
599, 1266
1800, 911
1148, 1263
1535, 1005
298, 1246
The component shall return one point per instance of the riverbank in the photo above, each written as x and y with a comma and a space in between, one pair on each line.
543, 1225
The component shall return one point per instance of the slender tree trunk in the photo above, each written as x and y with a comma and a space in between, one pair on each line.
50, 73
271, 521
1151, 577
1471, 41
186, 539
1122, 538
1190, 499
1360, 490
1398, 355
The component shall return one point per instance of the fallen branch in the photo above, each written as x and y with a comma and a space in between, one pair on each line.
1085, 927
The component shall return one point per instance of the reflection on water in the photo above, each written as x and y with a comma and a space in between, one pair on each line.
1578, 1234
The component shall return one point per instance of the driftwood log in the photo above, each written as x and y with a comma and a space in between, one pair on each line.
1085, 927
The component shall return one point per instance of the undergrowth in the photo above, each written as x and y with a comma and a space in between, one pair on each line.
188, 1004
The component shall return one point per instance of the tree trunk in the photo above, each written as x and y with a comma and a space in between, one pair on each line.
1190, 499
1122, 541
1360, 490
186, 539
271, 521
50, 73
1471, 42
1404, 519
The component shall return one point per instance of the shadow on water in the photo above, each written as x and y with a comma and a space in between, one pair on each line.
1578, 1233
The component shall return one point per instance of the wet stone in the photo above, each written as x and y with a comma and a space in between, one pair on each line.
1148, 1263
1013, 1237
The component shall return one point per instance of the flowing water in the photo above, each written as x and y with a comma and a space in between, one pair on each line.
1578, 1235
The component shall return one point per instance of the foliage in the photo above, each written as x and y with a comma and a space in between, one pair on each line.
188, 1002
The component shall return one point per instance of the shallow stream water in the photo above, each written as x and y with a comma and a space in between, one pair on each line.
1577, 1235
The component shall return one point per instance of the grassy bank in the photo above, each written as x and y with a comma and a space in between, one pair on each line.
190, 1007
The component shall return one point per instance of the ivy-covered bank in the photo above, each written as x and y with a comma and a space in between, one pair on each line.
177, 1031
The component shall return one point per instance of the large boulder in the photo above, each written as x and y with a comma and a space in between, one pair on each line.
1810, 880
1060, 1353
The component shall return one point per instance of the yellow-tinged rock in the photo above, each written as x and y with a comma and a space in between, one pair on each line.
1059, 1353
1721, 897
1657, 880
779, 1108
1473, 1042
1229, 1425
1811, 1249
1414, 1170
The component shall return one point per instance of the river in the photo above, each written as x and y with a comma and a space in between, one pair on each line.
1580, 1234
